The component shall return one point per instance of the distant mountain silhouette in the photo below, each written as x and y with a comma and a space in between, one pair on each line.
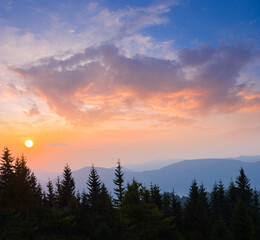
178, 175
44, 176
207, 171
151, 165
248, 158
157, 164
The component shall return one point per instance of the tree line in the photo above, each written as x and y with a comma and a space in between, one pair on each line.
134, 212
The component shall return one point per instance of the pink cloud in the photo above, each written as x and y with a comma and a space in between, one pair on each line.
101, 84
33, 111
8, 91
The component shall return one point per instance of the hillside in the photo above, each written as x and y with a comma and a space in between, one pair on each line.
178, 175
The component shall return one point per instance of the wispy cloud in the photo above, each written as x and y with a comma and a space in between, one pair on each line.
6, 4
98, 25
56, 144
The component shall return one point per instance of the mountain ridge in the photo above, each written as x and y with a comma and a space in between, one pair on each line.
157, 164
178, 176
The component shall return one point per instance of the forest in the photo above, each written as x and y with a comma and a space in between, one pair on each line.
131, 212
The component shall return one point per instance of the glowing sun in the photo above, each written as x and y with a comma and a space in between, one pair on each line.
28, 143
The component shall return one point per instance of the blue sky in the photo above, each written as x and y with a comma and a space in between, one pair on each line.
189, 22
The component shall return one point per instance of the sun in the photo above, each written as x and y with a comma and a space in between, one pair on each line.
29, 143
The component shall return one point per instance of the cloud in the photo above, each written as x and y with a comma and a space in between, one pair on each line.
115, 25
92, 26
217, 71
107, 70
8, 91
6, 4
57, 144
33, 111
102, 84
168, 120
196, 56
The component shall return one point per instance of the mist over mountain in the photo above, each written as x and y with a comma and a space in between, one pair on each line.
207, 171
157, 164
151, 165
177, 176
44, 176
245, 158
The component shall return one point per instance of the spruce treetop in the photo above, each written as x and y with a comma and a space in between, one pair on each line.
118, 181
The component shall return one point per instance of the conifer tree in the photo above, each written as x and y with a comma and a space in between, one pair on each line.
195, 214
176, 210
6, 167
255, 213
84, 200
6, 178
166, 202
217, 201
67, 187
155, 196
214, 207
105, 201
191, 211
222, 199
58, 192
78, 197
220, 231
22, 182
244, 190
143, 219
50, 197
242, 227
203, 196
232, 198
94, 187
39, 194
35, 189
21, 168
118, 181
33, 183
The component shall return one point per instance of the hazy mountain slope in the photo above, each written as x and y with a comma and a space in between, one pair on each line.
44, 176
151, 165
157, 164
248, 158
179, 175
206, 171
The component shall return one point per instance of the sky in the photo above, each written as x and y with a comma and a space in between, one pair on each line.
93, 81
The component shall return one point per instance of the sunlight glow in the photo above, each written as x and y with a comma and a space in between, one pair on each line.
29, 143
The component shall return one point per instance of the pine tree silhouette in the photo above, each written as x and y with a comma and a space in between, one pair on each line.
255, 212
7, 179
50, 198
195, 213
94, 188
217, 201
58, 193
67, 190
118, 181
156, 196
244, 190
176, 210
241, 222
23, 191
